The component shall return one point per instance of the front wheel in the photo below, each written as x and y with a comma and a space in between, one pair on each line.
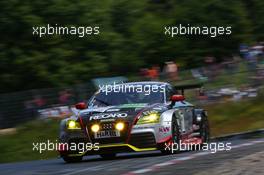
175, 139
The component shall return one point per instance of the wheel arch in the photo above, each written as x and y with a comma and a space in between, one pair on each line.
168, 115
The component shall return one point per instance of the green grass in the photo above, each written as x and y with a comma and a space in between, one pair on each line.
232, 117
18, 147
225, 118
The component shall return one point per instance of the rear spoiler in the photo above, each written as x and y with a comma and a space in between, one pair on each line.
187, 86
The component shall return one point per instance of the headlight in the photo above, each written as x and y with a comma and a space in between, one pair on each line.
72, 124
120, 126
95, 128
151, 117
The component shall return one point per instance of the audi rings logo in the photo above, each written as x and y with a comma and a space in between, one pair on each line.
106, 116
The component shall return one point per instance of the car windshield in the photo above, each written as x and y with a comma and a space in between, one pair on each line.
101, 99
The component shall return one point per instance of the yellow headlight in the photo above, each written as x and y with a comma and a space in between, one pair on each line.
152, 117
95, 128
72, 124
149, 118
120, 126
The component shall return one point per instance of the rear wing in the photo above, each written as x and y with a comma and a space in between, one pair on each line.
187, 86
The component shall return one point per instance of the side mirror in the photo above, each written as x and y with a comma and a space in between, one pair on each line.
80, 106
176, 98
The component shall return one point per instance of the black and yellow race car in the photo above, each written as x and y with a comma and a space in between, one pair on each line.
148, 116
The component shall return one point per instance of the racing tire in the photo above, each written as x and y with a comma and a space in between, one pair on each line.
108, 156
204, 130
175, 134
75, 159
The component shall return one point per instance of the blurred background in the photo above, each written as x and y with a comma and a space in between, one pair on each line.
42, 78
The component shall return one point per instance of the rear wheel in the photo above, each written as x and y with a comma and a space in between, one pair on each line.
108, 156
204, 130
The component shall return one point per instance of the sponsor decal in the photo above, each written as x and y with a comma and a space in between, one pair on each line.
113, 110
164, 129
142, 127
107, 120
108, 115
106, 134
136, 105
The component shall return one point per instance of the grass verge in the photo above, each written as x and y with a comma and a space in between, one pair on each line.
19, 146
232, 117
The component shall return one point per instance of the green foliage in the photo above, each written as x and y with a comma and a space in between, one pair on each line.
131, 36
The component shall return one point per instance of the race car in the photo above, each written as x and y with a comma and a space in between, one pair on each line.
132, 117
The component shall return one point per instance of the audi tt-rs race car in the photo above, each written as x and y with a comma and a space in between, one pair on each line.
132, 117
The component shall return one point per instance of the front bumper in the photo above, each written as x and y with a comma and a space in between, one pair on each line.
113, 148
138, 142
140, 138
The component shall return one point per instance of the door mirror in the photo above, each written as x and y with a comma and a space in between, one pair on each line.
80, 106
176, 98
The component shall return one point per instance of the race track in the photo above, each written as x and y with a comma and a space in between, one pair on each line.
143, 163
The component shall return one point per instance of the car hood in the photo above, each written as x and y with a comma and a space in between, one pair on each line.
126, 112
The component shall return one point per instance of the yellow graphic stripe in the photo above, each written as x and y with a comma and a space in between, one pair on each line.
118, 145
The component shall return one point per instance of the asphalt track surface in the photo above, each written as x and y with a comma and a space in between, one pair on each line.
154, 162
